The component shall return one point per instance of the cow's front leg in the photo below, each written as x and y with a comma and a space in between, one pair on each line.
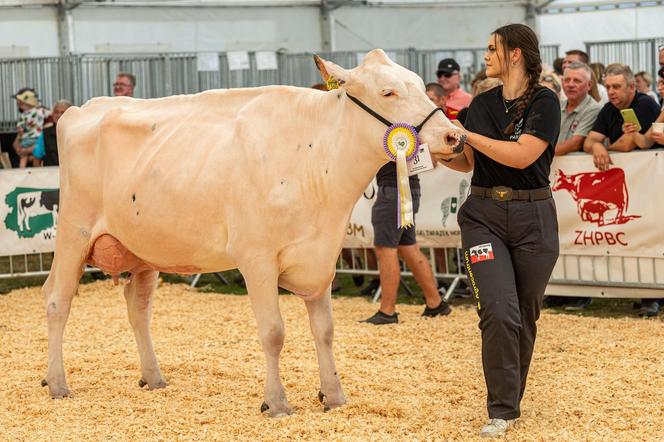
59, 289
322, 327
263, 293
138, 293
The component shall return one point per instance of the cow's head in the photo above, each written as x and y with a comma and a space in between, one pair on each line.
398, 95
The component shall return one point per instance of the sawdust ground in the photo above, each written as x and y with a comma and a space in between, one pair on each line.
591, 379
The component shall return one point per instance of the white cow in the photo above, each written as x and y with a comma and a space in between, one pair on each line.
261, 179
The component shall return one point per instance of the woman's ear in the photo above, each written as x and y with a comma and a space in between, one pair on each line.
515, 56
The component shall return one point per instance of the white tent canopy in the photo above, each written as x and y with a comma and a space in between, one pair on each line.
34, 28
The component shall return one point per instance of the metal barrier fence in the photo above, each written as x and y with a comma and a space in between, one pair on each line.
595, 276
446, 265
38, 264
608, 276
35, 264
573, 275
640, 55
80, 77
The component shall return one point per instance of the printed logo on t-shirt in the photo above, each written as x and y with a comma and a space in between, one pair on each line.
517, 131
482, 252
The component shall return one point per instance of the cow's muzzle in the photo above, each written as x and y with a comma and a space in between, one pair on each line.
460, 144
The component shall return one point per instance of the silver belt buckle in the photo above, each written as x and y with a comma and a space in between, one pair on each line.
501, 193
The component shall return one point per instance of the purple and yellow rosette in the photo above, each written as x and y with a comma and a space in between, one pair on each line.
401, 142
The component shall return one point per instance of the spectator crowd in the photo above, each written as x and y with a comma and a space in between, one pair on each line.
591, 95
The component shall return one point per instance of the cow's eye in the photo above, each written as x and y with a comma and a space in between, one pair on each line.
387, 93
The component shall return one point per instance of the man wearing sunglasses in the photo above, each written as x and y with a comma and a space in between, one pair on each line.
450, 79
124, 85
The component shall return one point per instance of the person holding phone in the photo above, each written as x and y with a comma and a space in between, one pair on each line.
619, 120
625, 102
655, 135
509, 229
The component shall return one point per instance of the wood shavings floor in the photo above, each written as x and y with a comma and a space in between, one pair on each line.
592, 378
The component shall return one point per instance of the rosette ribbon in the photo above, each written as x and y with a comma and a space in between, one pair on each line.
401, 142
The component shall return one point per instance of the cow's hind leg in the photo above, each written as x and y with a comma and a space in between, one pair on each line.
263, 293
322, 327
138, 293
59, 289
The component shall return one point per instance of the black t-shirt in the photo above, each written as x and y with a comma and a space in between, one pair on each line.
609, 120
387, 176
461, 116
541, 118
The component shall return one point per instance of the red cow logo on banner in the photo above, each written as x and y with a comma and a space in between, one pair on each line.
601, 197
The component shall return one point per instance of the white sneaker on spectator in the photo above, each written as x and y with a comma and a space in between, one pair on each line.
497, 427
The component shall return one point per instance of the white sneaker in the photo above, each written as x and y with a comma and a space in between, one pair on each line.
497, 427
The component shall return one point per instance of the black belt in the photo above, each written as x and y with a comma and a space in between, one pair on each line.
504, 193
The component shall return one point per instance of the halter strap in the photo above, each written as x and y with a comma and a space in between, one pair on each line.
376, 115
419, 127
384, 120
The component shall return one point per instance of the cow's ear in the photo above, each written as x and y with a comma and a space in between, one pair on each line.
334, 76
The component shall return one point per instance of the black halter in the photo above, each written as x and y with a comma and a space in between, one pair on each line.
384, 120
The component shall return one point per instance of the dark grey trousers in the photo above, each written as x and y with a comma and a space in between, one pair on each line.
510, 249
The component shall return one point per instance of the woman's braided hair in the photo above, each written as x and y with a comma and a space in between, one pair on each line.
521, 36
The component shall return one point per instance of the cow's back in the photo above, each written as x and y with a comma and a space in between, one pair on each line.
121, 126
175, 169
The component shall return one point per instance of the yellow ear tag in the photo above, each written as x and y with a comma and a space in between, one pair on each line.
332, 83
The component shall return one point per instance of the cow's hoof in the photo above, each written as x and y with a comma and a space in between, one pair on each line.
327, 405
321, 399
155, 386
59, 393
282, 411
44, 383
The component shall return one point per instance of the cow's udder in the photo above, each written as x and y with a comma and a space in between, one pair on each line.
112, 257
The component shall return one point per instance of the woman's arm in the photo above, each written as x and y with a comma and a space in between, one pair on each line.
518, 154
462, 163
644, 141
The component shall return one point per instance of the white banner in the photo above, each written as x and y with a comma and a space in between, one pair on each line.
443, 191
599, 213
29, 210
613, 213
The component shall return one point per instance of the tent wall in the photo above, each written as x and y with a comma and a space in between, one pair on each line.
421, 27
574, 30
295, 27
33, 31
125, 30
28, 32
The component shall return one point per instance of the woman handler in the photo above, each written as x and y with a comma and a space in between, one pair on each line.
508, 223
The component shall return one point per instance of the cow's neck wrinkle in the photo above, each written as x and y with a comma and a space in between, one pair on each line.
357, 154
